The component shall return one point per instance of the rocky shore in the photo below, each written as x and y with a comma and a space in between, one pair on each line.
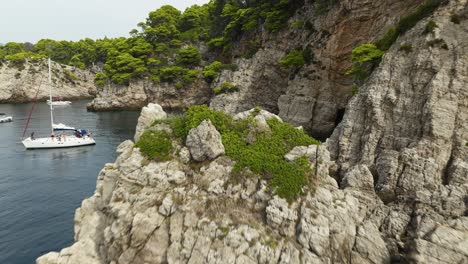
390, 184
20, 83
139, 93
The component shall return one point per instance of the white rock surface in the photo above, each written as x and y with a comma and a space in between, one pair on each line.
399, 157
149, 114
20, 84
204, 142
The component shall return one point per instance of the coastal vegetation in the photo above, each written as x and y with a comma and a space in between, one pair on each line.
166, 47
260, 152
366, 57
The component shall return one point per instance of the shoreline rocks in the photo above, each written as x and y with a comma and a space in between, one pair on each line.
20, 84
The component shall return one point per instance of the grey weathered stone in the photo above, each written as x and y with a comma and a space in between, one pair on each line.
149, 114
204, 142
19, 85
405, 128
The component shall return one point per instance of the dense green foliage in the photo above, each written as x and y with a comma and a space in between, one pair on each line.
188, 56
363, 56
294, 58
164, 41
264, 156
100, 79
226, 87
156, 145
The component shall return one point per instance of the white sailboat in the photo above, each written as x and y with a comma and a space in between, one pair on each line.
5, 119
77, 139
58, 103
62, 127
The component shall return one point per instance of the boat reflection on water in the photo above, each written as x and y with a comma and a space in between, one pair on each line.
59, 154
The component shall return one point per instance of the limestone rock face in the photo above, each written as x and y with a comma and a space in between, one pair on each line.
141, 92
405, 134
389, 186
315, 95
21, 83
204, 142
148, 115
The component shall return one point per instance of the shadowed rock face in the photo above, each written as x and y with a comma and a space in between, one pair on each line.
408, 126
313, 95
21, 83
391, 182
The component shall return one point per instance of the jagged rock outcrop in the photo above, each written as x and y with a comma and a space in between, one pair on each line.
148, 115
204, 142
141, 92
391, 184
315, 95
169, 212
408, 126
20, 83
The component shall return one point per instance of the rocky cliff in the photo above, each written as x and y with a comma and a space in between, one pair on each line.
140, 93
391, 183
315, 95
21, 82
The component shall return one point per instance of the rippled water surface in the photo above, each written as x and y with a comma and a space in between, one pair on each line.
40, 189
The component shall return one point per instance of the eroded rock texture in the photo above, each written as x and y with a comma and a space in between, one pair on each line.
141, 92
408, 126
315, 95
391, 183
22, 82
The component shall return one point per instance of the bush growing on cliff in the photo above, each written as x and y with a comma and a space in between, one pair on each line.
211, 72
156, 145
265, 155
226, 87
70, 76
170, 74
294, 58
407, 22
188, 56
121, 67
364, 58
100, 79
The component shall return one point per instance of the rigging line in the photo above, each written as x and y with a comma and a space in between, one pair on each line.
32, 108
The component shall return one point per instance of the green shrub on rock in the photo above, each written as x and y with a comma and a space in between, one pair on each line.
430, 27
171, 73
408, 22
226, 87
211, 72
364, 56
100, 79
294, 58
155, 145
265, 155
189, 56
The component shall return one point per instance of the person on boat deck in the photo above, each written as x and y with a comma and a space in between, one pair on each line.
32, 136
52, 135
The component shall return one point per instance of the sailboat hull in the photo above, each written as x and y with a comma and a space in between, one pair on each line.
64, 142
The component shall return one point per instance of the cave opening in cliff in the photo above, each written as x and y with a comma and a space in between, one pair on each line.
339, 116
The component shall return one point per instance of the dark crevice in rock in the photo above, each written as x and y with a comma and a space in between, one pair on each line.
446, 171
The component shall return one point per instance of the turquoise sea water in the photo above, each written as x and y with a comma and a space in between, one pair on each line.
40, 189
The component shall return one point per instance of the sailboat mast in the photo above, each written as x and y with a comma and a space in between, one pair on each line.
50, 98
